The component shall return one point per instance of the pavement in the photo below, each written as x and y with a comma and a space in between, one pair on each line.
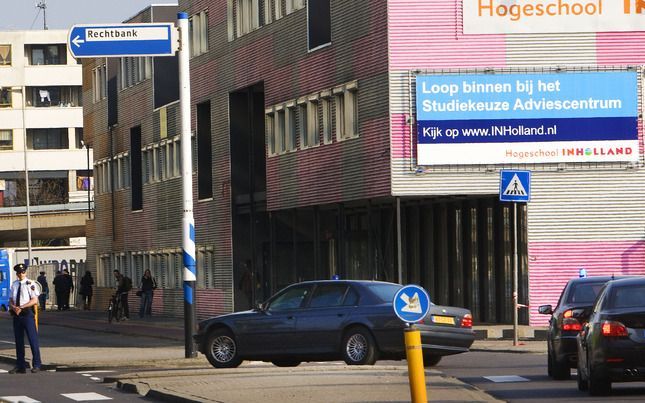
164, 373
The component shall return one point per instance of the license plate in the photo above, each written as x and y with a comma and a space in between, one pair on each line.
448, 320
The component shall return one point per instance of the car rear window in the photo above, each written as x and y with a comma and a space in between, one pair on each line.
627, 297
384, 292
584, 293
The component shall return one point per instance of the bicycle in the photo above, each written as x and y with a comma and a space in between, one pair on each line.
115, 308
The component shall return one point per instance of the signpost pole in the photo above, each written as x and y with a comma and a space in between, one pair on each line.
515, 276
188, 222
416, 372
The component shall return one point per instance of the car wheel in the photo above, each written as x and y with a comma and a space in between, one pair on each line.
549, 363
560, 370
285, 363
583, 385
359, 347
598, 386
430, 360
221, 349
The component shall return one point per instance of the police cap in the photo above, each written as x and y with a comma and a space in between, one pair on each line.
20, 268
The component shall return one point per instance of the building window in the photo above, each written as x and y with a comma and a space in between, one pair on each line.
308, 122
99, 83
277, 6
269, 124
247, 16
280, 130
84, 180
204, 152
103, 175
134, 70
291, 127
47, 139
268, 12
198, 32
6, 139
346, 101
313, 139
5, 55
327, 117
294, 5
46, 54
54, 96
5, 97
122, 174
318, 23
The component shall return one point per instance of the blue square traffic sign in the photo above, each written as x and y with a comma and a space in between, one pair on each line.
515, 186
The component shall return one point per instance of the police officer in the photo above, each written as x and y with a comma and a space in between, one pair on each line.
22, 302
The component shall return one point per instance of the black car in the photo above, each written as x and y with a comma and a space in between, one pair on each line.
611, 346
330, 320
566, 321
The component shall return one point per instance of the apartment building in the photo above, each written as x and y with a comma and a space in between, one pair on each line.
41, 137
310, 160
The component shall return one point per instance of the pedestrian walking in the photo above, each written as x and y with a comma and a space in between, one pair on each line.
123, 286
58, 289
147, 287
86, 290
44, 290
24, 297
68, 288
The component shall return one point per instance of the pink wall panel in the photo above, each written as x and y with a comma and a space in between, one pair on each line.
552, 264
620, 48
428, 34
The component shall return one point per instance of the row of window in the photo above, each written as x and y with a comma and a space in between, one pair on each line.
45, 96
161, 161
245, 16
165, 265
37, 54
99, 83
299, 124
135, 70
43, 139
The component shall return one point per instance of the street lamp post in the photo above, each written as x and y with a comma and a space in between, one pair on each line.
24, 139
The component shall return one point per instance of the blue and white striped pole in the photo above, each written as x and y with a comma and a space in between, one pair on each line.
188, 222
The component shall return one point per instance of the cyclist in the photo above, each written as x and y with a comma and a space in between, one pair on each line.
124, 285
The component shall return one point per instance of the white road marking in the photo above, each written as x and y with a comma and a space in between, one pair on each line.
7, 342
93, 372
85, 397
506, 378
86, 374
3, 371
18, 399
94, 378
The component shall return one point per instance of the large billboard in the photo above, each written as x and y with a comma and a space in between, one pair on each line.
543, 16
527, 118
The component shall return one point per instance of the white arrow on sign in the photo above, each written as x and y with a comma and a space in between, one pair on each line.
76, 41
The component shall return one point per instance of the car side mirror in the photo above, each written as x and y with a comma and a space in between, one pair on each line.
545, 309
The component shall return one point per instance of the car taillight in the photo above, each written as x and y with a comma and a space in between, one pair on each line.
569, 323
467, 320
613, 329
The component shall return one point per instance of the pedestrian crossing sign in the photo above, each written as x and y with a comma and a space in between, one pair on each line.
515, 186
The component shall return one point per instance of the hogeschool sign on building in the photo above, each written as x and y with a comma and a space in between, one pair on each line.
544, 16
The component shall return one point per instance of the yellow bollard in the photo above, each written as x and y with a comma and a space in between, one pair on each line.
416, 372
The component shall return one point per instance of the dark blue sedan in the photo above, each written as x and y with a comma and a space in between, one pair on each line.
330, 320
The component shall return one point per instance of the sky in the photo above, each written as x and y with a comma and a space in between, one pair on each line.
62, 14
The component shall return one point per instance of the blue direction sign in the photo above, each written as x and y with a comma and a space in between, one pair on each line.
515, 186
411, 303
119, 40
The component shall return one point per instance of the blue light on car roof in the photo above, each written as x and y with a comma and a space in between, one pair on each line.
335, 277
582, 273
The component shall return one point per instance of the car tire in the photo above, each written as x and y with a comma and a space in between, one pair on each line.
221, 349
431, 360
285, 363
549, 363
598, 386
560, 370
583, 385
359, 347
